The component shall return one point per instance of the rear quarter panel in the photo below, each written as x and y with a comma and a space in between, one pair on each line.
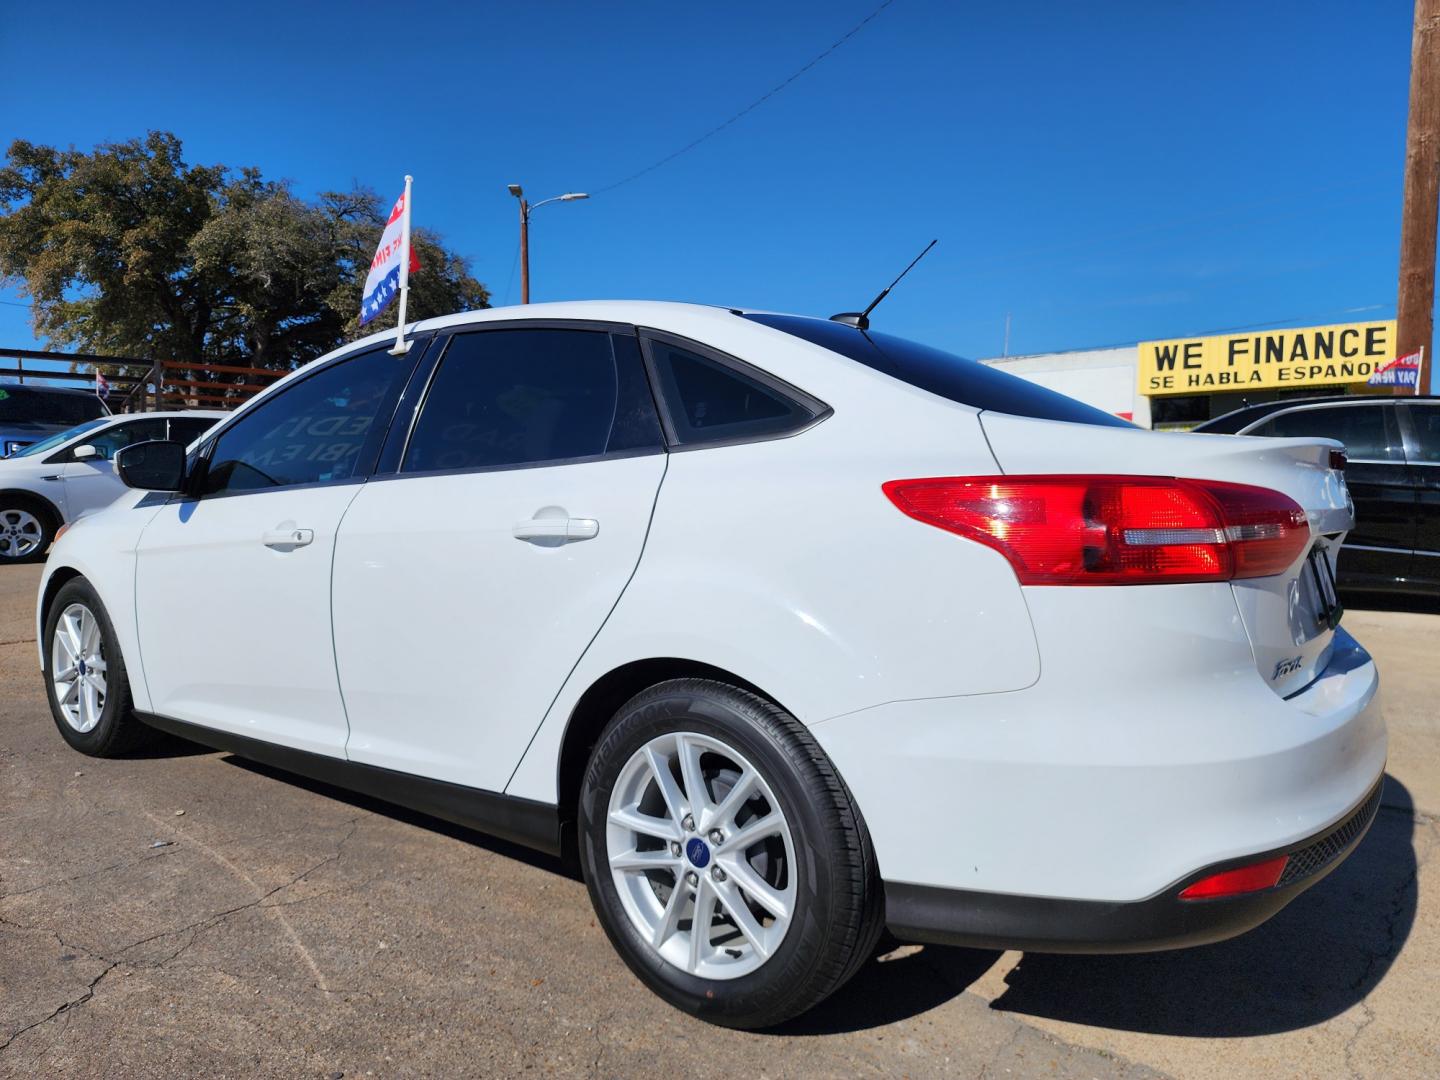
1290, 645
784, 563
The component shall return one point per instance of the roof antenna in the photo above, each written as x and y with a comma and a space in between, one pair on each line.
861, 319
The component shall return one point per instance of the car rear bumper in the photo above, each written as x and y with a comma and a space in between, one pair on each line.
1088, 789
1164, 921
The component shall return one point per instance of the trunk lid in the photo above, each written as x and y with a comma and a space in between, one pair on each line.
1285, 616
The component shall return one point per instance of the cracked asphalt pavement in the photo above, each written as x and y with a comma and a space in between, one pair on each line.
184, 913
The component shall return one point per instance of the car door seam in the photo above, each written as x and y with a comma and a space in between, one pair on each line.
644, 542
334, 647
135, 596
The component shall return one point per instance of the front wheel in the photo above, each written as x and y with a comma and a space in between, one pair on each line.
725, 857
85, 677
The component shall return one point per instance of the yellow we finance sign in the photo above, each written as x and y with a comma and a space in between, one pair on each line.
1311, 356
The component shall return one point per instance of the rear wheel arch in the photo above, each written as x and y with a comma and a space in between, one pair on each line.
599, 704
809, 891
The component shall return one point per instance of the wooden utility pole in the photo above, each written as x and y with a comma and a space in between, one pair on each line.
1416, 302
525, 251
519, 193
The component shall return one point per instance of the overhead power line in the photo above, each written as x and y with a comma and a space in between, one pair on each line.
514, 261
748, 108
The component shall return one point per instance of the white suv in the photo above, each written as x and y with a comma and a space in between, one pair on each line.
54, 481
787, 630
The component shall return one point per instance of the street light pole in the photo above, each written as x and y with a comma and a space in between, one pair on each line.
525, 209
524, 251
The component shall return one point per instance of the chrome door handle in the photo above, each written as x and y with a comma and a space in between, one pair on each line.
55, 476
288, 538
557, 530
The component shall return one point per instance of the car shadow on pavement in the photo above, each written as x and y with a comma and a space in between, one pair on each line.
161, 744
897, 983
1312, 961
411, 817
1318, 957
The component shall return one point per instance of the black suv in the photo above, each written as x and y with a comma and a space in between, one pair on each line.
1393, 474
31, 413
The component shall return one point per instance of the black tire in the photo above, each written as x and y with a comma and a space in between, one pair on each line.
838, 913
12, 504
118, 731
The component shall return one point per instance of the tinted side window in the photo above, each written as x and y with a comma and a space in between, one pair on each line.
112, 439
519, 397
1369, 432
709, 401
963, 381
186, 429
324, 428
1425, 419
25, 404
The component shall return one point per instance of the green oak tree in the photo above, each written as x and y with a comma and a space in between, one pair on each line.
128, 250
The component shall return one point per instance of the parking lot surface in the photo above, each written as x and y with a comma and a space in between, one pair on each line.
184, 913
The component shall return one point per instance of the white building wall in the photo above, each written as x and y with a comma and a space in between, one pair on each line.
1104, 378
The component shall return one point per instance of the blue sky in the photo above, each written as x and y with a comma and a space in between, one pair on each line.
1105, 172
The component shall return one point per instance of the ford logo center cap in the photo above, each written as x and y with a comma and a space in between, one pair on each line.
697, 852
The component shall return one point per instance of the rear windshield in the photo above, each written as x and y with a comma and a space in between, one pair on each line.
28, 404
1231, 422
942, 373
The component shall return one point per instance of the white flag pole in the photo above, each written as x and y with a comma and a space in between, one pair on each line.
1419, 371
401, 345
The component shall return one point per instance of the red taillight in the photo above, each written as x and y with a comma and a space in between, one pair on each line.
1114, 530
1243, 879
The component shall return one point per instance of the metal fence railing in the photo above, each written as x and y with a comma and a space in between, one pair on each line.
139, 385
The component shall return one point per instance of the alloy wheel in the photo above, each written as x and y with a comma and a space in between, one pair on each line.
20, 533
77, 667
701, 855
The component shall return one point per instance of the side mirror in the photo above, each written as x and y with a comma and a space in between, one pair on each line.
152, 466
88, 452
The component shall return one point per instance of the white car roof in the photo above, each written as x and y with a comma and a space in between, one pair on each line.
811, 367
660, 314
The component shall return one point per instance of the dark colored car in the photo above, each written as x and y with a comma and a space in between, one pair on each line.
31, 413
1393, 444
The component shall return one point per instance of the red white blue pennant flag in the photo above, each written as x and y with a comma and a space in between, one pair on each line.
1402, 371
383, 281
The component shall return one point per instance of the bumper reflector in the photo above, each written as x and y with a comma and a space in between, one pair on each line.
1243, 879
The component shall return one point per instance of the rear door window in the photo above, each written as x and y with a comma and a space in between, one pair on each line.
1369, 432
186, 429
511, 397
1425, 422
113, 438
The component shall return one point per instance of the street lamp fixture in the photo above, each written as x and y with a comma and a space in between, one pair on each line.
525, 209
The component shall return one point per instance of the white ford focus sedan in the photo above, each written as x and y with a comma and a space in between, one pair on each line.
786, 629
